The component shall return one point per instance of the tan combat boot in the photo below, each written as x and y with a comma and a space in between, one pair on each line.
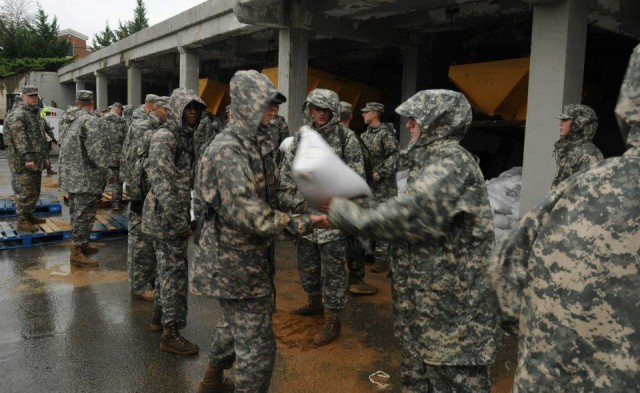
172, 341
331, 329
25, 226
51, 172
88, 249
36, 220
215, 382
156, 320
380, 265
80, 259
313, 307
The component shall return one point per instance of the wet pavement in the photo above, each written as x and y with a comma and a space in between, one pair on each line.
68, 329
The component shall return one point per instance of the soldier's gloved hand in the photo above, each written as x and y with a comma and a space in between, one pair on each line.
187, 233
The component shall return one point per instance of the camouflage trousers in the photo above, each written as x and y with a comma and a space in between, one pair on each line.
355, 258
26, 186
141, 257
172, 280
321, 268
244, 335
82, 208
117, 186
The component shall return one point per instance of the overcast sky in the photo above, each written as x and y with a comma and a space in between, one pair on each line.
90, 17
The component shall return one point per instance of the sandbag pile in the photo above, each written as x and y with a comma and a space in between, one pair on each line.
320, 174
504, 197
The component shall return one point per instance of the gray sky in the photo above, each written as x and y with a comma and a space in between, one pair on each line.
90, 17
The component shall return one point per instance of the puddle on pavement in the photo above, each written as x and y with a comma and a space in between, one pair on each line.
78, 277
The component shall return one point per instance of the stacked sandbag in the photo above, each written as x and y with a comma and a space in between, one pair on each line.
504, 197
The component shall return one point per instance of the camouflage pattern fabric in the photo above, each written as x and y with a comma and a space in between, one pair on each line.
575, 151
421, 377
172, 280
278, 130
382, 144
25, 141
568, 273
355, 258
141, 257
83, 159
442, 232
132, 146
209, 127
82, 209
254, 346
114, 128
321, 268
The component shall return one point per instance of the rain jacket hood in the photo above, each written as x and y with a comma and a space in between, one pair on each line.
584, 122
180, 99
322, 98
628, 107
251, 92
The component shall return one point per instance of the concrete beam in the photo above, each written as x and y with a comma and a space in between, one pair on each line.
409, 86
102, 90
134, 85
558, 44
293, 55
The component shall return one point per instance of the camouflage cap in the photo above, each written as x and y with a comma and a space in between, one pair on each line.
323, 98
29, 90
344, 108
584, 118
150, 98
116, 105
162, 102
84, 95
373, 107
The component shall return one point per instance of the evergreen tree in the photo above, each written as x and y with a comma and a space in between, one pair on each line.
125, 29
44, 41
104, 38
140, 20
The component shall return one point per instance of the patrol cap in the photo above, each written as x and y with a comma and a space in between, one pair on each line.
150, 98
29, 90
564, 116
344, 108
162, 102
277, 98
118, 105
373, 107
84, 95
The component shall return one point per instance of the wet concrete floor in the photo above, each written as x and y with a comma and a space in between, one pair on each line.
65, 329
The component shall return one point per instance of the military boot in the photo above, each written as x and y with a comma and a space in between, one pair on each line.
36, 220
25, 226
156, 320
172, 341
88, 249
215, 382
380, 265
80, 259
51, 172
117, 206
313, 307
331, 329
357, 286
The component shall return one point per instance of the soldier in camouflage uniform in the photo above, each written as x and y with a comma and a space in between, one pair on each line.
574, 151
382, 144
25, 141
141, 257
237, 238
567, 274
166, 215
442, 232
355, 252
114, 128
84, 164
321, 255
142, 112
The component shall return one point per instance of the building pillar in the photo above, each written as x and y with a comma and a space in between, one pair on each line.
558, 42
189, 69
293, 56
134, 85
409, 86
80, 84
101, 94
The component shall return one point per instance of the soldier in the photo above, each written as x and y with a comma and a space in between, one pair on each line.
114, 128
238, 238
166, 215
441, 228
574, 151
382, 145
25, 141
355, 250
141, 257
84, 164
143, 110
321, 255
567, 274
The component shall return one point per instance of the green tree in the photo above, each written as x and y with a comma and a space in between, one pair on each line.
125, 29
140, 20
104, 38
44, 40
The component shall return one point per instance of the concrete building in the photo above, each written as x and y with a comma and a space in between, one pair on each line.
401, 46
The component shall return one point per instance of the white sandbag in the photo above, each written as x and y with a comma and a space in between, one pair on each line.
286, 142
500, 233
502, 221
401, 180
320, 174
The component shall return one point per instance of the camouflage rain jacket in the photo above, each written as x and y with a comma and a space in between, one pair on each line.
568, 273
442, 231
288, 196
25, 138
232, 261
383, 152
114, 128
133, 147
575, 151
166, 211
83, 160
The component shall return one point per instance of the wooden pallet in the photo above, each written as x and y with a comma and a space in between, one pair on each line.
106, 200
46, 205
110, 227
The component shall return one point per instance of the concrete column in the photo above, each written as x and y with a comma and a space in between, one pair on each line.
558, 43
293, 56
134, 85
101, 94
189, 69
80, 85
409, 86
